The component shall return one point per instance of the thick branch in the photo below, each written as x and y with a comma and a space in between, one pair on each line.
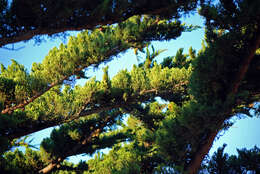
40, 125
51, 166
245, 64
202, 152
204, 149
89, 18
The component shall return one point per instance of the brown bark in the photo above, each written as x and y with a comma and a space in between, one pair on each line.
201, 153
245, 64
24, 36
51, 166
204, 149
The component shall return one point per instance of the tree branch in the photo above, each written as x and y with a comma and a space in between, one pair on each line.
40, 125
51, 166
204, 149
84, 21
112, 51
75, 150
10, 110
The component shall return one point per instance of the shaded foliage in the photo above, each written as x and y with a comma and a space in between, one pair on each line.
22, 20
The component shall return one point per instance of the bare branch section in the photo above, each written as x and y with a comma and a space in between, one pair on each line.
204, 149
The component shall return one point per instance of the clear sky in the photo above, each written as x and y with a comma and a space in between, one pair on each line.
244, 133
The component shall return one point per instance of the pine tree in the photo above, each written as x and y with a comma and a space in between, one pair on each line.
202, 92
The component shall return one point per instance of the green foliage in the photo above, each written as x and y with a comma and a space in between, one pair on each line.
15, 83
19, 162
178, 132
54, 17
90, 132
148, 63
118, 160
245, 161
138, 156
88, 48
215, 69
7, 92
180, 60
172, 108
48, 102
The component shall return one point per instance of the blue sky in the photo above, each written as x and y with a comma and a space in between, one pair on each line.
244, 133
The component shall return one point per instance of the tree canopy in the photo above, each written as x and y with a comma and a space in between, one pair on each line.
201, 90
21, 20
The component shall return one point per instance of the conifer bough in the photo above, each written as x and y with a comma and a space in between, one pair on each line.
21, 20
